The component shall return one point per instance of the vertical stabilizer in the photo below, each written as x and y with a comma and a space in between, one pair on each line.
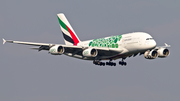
69, 34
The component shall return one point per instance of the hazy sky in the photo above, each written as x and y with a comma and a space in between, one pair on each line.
28, 75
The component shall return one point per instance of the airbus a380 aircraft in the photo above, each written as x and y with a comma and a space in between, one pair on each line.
108, 48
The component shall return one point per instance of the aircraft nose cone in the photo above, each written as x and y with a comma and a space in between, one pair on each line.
153, 44
150, 44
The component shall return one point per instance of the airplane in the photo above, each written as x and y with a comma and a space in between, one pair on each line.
102, 49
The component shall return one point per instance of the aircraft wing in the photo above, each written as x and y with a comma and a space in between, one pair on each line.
166, 46
43, 46
26, 43
102, 51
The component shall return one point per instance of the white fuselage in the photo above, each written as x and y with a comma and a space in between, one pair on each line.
131, 43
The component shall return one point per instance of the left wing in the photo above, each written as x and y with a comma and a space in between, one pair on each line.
43, 46
26, 43
102, 51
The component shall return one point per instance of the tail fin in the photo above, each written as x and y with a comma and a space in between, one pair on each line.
69, 35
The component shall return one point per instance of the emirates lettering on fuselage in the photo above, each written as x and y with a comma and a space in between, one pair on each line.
127, 39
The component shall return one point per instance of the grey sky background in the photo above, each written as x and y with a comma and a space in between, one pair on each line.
28, 75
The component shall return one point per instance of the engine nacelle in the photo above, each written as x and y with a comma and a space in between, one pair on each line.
151, 54
90, 52
163, 52
56, 50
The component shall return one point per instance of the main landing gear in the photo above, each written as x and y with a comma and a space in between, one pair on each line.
98, 62
111, 63
122, 63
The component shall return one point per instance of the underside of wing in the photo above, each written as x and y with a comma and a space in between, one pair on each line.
91, 53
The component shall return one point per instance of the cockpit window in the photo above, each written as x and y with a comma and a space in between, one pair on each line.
149, 39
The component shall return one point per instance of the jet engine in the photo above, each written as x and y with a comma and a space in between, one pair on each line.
90, 52
151, 54
163, 52
56, 50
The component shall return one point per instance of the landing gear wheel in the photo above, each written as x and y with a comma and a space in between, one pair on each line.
114, 64
103, 64
107, 63
97, 62
122, 63
111, 63
125, 63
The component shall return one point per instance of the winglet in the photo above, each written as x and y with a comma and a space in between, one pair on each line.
4, 41
167, 45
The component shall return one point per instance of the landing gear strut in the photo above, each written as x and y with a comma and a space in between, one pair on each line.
122, 63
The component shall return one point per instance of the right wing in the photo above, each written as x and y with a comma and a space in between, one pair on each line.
166, 46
